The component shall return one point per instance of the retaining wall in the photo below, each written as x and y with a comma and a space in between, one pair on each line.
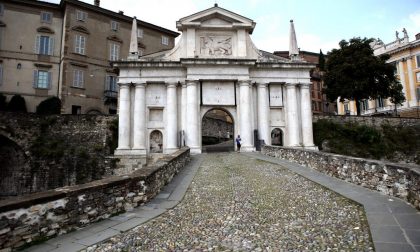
43, 215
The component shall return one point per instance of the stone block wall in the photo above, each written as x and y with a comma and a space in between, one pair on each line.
43, 215
400, 180
53, 151
372, 121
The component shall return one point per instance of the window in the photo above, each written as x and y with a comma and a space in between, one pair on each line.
46, 17
44, 45
42, 79
396, 68
165, 40
141, 52
418, 76
80, 44
115, 25
114, 52
76, 110
364, 104
111, 83
1, 74
379, 102
346, 109
78, 78
418, 60
417, 89
81, 15
140, 33
1, 9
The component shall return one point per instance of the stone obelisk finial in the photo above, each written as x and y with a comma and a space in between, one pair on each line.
293, 47
134, 50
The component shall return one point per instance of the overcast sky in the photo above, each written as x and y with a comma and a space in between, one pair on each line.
319, 24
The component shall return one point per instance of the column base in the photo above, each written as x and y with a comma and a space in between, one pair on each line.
247, 149
130, 152
413, 103
195, 150
170, 150
312, 147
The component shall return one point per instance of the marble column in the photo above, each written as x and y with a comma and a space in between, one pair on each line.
411, 83
263, 113
139, 120
292, 115
245, 115
124, 120
306, 115
402, 79
183, 110
171, 118
191, 134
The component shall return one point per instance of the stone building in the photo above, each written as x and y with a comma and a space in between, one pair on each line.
215, 65
405, 55
65, 50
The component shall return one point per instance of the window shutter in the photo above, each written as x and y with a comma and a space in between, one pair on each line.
37, 43
82, 79
1, 74
49, 80
35, 79
51, 49
107, 83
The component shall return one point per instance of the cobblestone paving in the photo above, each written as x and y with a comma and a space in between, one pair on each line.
243, 204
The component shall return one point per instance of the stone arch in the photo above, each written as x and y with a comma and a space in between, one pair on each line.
13, 168
277, 137
217, 130
45, 29
94, 111
156, 141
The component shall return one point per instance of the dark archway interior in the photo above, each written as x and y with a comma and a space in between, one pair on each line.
277, 137
12, 168
217, 131
156, 142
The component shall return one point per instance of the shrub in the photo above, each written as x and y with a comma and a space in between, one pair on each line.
17, 104
50, 106
3, 103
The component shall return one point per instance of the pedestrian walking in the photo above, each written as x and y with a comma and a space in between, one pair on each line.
238, 143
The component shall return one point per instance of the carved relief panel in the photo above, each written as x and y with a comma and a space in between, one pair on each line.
212, 45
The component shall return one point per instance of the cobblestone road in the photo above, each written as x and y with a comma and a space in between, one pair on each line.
243, 204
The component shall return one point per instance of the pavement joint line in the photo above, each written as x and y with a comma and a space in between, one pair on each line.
307, 172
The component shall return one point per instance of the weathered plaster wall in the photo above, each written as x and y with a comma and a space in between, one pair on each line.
43, 215
393, 179
45, 152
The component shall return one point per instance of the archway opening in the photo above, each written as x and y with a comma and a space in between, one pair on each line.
277, 137
156, 142
217, 131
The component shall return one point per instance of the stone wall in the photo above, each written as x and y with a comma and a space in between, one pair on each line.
393, 179
53, 151
369, 120
40, 216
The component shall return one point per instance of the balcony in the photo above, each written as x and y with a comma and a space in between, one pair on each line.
110, 97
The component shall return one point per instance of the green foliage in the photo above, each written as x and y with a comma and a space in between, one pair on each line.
354, 73
3, 103
367, 142
17, 104
49, 106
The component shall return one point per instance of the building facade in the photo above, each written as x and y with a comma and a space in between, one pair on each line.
319, 101
214, 65
65, 50
405, 55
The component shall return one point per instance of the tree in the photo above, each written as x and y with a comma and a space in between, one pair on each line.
321, 61
17, 104
49, 106
396, 95
354, 73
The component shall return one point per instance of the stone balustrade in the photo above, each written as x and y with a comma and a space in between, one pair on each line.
43, 215
399, 180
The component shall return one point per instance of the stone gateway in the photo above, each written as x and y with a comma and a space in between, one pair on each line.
164, 96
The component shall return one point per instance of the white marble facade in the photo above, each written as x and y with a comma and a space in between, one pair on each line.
214, 65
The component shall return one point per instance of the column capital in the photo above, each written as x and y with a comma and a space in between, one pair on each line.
171, 84
140, 85
124, 85
290, 85
191, 82
305, 85
245, 83
262, 85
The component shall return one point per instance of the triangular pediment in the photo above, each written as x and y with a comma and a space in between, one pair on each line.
215, 17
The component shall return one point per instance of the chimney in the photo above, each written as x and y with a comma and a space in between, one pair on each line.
96, 2
417, 36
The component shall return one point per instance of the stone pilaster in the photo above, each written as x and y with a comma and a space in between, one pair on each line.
292, 125
245, 115
263, 113
171, 118
403, 81
413, 99
139, 120
124, 120
306, 114
191, 134
183, 110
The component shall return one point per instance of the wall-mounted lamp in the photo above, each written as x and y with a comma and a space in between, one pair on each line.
19, 66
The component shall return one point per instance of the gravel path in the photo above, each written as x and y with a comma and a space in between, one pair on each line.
243, 204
